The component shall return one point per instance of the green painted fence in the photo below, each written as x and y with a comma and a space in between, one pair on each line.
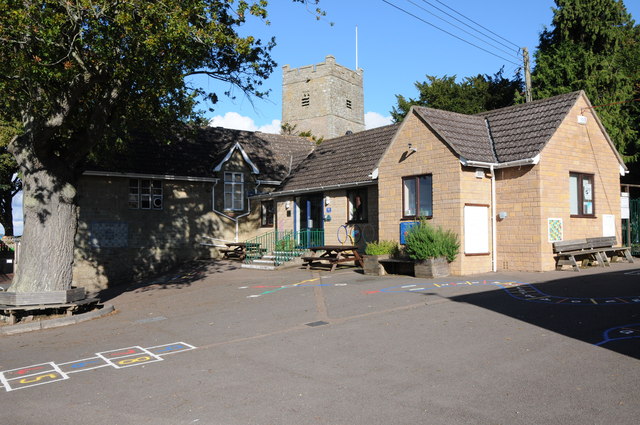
634, 222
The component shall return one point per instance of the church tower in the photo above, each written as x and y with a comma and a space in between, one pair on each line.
326, 99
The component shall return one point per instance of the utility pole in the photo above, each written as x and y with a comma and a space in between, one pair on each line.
527, 74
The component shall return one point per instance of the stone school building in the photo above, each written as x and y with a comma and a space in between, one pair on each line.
509, 182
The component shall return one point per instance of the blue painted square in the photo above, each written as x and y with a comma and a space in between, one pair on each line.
404, 228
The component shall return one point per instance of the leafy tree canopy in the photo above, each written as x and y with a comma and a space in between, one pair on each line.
78, 75
594, 45
470, 96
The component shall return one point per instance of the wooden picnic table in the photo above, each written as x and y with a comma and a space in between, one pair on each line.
238, 250
334, 254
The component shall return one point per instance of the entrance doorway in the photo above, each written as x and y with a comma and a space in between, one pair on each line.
310, 220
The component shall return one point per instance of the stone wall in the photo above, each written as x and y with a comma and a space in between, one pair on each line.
334, 99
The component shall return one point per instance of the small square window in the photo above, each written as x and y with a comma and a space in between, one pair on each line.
417, 196
581, 196
357, 206
267, 213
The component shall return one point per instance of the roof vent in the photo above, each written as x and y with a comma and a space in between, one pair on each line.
348, 133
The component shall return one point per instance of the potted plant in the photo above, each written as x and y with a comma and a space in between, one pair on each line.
375, 251
432, 249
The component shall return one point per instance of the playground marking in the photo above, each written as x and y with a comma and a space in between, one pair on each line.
620, 332
46, 373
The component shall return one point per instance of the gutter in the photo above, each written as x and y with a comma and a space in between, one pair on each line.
492, 167
313, 189
149, 176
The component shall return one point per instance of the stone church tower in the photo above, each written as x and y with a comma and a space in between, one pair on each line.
326, 99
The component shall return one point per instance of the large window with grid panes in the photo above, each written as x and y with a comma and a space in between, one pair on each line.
233, 191
145, 194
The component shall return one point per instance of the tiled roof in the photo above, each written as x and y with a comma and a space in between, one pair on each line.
502, 135
466, 134
343, 160
199, 151
521, 131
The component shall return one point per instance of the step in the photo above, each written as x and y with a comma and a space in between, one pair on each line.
258, 266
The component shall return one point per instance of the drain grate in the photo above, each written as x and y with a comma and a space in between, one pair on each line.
318, 323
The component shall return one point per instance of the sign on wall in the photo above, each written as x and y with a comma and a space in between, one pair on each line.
608, 225
476, 229
554, 229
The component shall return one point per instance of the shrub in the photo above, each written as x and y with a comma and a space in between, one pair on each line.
425, 241
381, 248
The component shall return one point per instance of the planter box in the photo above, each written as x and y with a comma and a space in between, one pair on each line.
36, 298
371, 265
432, 267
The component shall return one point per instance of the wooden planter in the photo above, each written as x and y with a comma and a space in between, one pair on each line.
35, 298
371, 265
432, 267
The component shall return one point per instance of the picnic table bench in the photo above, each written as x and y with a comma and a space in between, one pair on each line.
588, 249
334, 254
238, 250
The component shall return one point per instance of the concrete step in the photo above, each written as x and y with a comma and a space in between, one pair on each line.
259, 266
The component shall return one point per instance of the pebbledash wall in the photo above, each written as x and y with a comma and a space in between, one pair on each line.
534, 194
326, 98
116, 244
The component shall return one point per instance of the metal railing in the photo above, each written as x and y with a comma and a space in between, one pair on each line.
283, 244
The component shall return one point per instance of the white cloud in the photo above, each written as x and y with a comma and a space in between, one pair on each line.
18, 224
374, 119
239, 122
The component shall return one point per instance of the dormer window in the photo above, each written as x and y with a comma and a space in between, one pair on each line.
234, 191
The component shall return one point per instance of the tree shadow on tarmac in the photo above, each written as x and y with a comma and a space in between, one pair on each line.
179, 277
601, 309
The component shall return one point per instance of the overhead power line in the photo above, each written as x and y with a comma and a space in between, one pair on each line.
471, 20
449, 33
465, 31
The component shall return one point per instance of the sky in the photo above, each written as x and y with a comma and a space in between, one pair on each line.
394, 49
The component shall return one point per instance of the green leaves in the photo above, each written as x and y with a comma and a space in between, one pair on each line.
470, 96
594, 46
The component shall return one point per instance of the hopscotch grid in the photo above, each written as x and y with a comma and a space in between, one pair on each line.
188, 347
105, 364
51, 368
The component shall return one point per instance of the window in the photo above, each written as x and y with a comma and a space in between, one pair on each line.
266, 213
581, 199
357, 207
145, 194
416, 195
305, 99
348, 104
234, 191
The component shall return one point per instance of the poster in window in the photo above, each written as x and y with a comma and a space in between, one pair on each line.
587, 190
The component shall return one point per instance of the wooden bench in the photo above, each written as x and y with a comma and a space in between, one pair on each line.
606, 244
588, 249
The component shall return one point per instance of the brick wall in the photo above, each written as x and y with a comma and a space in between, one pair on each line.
533, 194
452, 187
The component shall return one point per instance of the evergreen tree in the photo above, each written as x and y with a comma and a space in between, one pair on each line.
593, 45
470, 96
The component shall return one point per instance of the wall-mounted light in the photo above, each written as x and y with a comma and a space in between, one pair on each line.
412, 148
502, 215
327, 201
287, 205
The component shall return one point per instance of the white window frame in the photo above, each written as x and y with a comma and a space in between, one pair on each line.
233, 191
145, 196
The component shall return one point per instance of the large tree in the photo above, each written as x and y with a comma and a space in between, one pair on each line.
594, 45
77, 74
469, 96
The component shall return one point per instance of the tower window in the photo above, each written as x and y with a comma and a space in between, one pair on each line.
348, 104
305, 99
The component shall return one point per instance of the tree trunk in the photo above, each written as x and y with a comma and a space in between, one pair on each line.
50, 224
6, 215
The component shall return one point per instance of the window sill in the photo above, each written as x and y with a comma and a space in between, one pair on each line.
418, 217
477, 254
584, 216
